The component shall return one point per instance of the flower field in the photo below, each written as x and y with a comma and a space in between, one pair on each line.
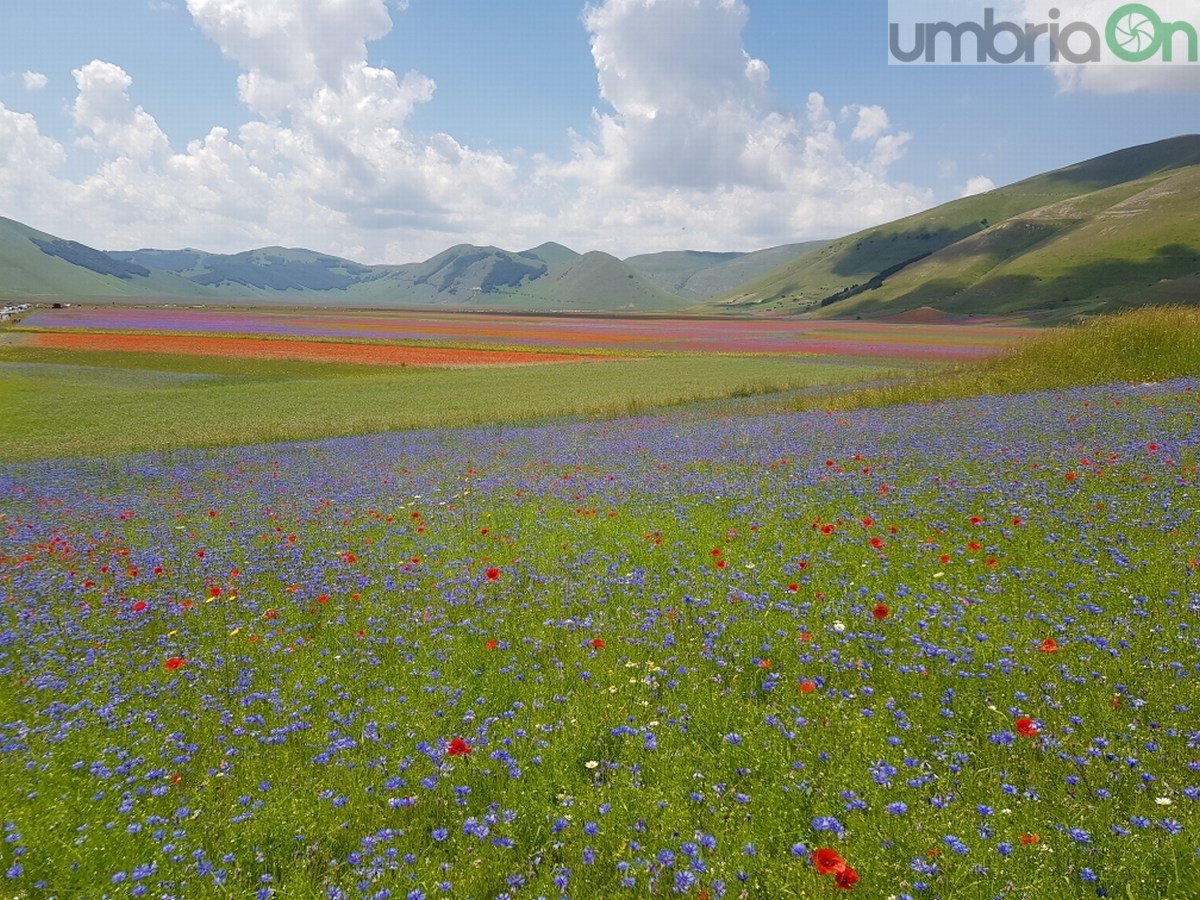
943, 650
946, 341
370, 354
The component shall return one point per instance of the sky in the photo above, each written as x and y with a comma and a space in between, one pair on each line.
385, 131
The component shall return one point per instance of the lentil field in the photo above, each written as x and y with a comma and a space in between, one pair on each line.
927, 651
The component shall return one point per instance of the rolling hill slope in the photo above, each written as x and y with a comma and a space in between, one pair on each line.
548, 277
1120, 229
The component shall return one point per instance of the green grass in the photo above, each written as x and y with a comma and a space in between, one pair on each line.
68, 403
303, 740
1149, 344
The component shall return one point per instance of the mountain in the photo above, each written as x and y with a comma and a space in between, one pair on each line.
35, 264
549, 277
1121, 229
703, 275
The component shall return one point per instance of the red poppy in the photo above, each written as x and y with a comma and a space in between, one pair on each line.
877, 543
793, 587
491, 644
322, 598
1026, 727
270, 614
1029, 839
1070, 476
828, 861
826, 529
458, 747
807, 687
175, 662
868, 522
598, 643
139, 606
975, 520
764, 664
845, 879
214, 591
1049, 645
944, 558
974, 545
493, 574
880, 611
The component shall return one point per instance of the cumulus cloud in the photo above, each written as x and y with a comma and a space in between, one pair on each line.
694, 141
872, 122
113, 125
34, 81
688, 147
980, 184
28, 160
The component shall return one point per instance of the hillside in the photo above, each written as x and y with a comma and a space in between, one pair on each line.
703, 275
1113, 231
545, 278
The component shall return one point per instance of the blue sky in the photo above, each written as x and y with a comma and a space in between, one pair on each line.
386, 131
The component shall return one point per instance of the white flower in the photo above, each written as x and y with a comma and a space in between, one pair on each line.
1163, 801
839, 626
591, 764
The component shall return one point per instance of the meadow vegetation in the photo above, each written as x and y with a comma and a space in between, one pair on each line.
1148, 344
913, 650
72, 403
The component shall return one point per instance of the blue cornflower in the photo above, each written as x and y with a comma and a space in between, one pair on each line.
828, 823
956, 844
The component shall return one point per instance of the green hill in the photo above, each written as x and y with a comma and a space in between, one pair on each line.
1117, 230
702, 275
34, 264
548, 277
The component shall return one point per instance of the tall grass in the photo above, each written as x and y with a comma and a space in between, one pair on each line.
1147, 344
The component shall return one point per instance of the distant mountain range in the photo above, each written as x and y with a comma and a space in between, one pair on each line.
549, 277
1122, 229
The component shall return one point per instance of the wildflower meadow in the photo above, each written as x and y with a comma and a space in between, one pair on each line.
938, 650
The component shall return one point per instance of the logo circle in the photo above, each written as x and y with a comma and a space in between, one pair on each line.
1134, 32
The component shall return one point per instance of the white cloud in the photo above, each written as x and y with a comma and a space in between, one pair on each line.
103, 109
979, 184
688, 149
27, 161
34, 81
290, 49
872, 122
693, 142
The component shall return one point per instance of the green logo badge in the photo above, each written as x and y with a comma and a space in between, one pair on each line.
1134, 32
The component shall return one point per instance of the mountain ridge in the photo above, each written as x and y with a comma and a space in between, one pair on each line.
1117, 230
